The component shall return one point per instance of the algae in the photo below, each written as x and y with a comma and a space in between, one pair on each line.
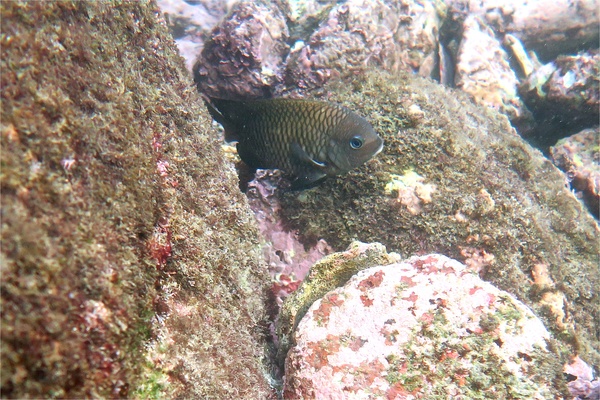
498, 204
130, 264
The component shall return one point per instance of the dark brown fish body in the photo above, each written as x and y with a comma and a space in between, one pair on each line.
308, 140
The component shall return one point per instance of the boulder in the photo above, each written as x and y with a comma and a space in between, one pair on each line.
130, 260
421, 328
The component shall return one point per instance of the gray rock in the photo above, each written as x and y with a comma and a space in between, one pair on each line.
483, 70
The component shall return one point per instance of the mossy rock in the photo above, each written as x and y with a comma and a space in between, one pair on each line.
455, 178
130, 260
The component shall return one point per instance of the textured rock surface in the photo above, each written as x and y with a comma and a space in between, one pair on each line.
422, 328
327, 274
581, 380
249, 56
549, 27
287, 258
130, 264
564, 97
579, 157
358, 35
244, 56
483, 71
454, 178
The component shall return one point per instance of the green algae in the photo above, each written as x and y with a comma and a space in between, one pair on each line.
430, 368
495, 198
130, 264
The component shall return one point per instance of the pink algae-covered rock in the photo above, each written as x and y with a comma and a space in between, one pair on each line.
421, 328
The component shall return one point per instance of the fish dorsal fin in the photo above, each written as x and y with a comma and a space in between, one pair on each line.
302, 156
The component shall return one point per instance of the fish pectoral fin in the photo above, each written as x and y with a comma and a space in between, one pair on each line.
302, 156
308, 180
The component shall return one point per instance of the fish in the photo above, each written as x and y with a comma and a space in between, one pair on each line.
308, 140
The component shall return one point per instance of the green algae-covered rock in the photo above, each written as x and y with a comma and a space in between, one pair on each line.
455, 178
130, 265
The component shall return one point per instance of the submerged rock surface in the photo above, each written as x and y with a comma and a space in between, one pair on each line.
454, 178
421, 328
130, 264
579, 157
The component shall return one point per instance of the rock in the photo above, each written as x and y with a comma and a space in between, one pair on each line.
564, 97
548, 27
421, 328
287, 258
190, 23
358, 35
477, 193
582, 384
327, 274
483, 71
579, 157
248, 54
244, 56
130, 261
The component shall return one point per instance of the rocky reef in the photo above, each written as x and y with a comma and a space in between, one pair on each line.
455, 178
517, 57
130, 260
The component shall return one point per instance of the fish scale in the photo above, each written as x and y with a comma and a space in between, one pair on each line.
308, 140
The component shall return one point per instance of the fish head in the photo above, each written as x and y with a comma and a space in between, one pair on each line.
352, 143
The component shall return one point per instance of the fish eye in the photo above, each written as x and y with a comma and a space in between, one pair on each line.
356, 142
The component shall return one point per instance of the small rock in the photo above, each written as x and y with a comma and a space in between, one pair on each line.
564, 97
329, 273
579, 157
424, 327
244, 56
483, 70
581, 380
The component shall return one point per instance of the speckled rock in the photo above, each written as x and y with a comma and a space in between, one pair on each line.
245, 54
549, 27
422, 328
564, 96
579, 157
483, 71
327, 274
